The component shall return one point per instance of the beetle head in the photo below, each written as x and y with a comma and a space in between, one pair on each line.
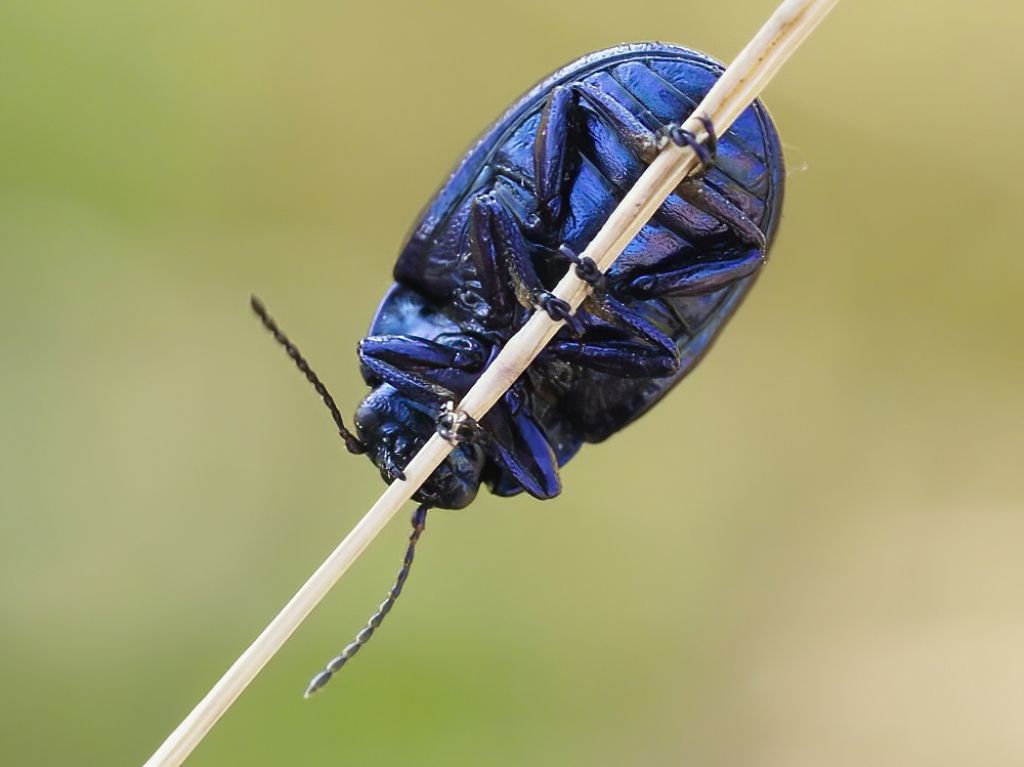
394, 428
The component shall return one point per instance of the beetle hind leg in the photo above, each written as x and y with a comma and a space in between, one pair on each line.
644, 144
707, 199
696, 279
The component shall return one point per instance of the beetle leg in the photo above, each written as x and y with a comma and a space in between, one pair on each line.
484, 252
552, 138
645, 352
705, 150
703, 196
633, 133
617, 128
550, 146
438, 373
623, 146
585, 267
623, 359
616, 313
449, 351
508, 436
549, 155
422, 369
700, 194
695, 279
508, 253
457, 426
515, 443
500, 255
644, 144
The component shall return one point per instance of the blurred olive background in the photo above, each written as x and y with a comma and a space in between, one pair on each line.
810, 554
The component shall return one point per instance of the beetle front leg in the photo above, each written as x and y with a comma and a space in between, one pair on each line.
456, 351
422, 369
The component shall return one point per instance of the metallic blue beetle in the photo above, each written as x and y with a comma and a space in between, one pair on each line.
498, 235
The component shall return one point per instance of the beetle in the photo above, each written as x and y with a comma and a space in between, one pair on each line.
499, 233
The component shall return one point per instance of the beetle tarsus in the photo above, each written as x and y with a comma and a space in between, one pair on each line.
559, 310
705, 150
456, 426
556, 308
586, 268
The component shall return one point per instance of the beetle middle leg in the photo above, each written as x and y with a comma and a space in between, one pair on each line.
637, 350
498, 247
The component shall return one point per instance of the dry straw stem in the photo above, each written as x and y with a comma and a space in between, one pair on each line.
739, 85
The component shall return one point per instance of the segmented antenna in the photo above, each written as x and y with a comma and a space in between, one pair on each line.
352, 442
419, 523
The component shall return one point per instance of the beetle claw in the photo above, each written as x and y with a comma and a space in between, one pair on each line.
705, 150
557, 309
586, 267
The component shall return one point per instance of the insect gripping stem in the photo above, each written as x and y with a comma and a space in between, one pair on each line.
739, 85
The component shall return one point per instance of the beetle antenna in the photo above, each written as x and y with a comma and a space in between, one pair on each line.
419, 523
352, 442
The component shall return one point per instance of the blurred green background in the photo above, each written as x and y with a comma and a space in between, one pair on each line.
810, 555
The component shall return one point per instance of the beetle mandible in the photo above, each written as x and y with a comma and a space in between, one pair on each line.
497, 236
